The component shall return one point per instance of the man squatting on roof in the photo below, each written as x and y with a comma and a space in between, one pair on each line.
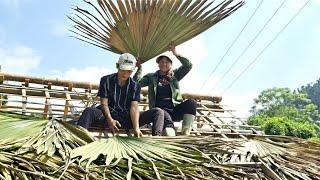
119, 95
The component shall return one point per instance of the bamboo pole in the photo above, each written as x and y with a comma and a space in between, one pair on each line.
88, 86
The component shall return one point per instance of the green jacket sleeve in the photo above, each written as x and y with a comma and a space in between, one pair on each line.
184, 69
144, 81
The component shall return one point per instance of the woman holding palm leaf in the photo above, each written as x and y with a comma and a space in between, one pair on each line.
164, 92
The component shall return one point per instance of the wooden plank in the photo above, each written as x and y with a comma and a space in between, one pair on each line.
86, 85
26, 82
47, 107
40, 109
235, 131
88, 97
1, 78
214, 127
268, 171
31, 93
199, 124
235, 117
24, 99
66, 107
208, 110
220, 118
44, 81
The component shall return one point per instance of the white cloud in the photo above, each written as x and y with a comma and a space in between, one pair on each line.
59, 29
20, 59
88, 74
195, 49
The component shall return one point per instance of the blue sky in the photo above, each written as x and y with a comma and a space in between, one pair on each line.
34, 40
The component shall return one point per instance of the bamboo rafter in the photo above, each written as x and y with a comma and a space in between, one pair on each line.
67, 99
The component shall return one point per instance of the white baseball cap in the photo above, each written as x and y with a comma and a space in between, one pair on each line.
127, 62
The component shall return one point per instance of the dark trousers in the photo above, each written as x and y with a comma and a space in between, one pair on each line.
93, 117
176, 114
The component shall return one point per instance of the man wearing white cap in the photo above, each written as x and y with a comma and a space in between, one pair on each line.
119, 95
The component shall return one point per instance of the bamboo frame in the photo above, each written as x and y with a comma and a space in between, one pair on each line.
208, 106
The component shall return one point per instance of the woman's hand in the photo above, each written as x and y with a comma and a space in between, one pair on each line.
139, 62
172, 48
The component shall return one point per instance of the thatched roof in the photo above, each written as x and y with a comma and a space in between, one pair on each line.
34, 147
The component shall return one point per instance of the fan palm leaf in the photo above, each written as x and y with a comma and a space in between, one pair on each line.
146, 28
16, 126
74, 154
143, 154
57, 137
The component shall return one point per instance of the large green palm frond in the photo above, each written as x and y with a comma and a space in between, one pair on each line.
61, 150
57, 137
139, 155
16, 126
34, 148
33, 166
146, 28
287, 157
162, 158
284, 157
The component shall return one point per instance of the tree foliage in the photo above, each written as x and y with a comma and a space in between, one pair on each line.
281, 111
313, 91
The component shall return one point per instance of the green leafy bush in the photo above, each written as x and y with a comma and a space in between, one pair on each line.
288, 127
275, 126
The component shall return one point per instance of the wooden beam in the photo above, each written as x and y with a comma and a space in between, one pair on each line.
40, 109
26, 82
1, 102
66, 107
268, 171
55, 82
24, 99
86, 85
39, 93
1, 78
47, 107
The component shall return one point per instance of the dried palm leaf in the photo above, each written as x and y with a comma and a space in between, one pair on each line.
204, 157
145, 28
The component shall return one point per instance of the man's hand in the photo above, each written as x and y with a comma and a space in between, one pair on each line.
113, 125
137, 133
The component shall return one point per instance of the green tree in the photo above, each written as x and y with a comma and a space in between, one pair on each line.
281, 111
282, 102
313, 91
